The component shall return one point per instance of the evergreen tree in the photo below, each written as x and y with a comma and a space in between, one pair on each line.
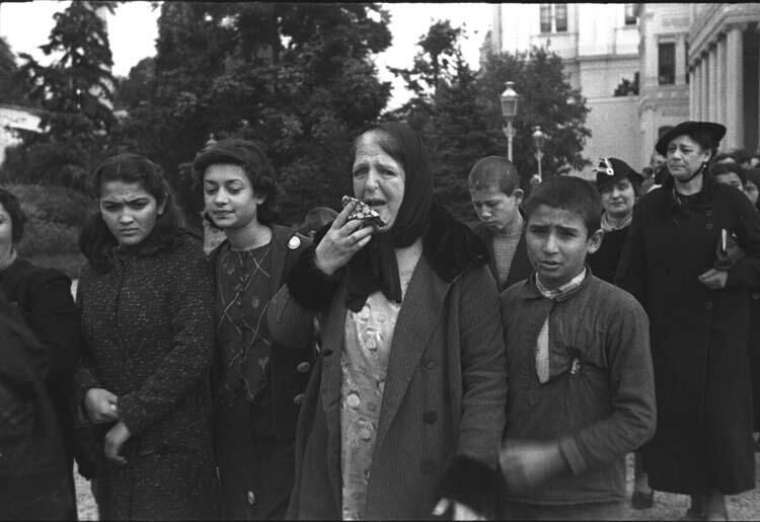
75, 96
296, 77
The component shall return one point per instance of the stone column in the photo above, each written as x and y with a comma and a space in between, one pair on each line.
680, 60
697, 79
693, 93
721, 101
705, 103
734, 91
712, 110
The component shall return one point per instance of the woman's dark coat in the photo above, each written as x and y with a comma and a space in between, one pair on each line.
148, 326
444, 396
35, 473
267, 461
699, 336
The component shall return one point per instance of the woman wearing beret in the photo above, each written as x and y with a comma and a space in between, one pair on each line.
407, 402
680, 263
257, 385
147, 315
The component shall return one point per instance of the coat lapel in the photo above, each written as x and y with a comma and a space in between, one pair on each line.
418, 318
333, 336
278, 258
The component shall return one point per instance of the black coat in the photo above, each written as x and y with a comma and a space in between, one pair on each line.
43, 298
254, 466
34, 471
699, 336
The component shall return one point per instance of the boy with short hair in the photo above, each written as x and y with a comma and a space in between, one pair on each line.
496, 197
580, 371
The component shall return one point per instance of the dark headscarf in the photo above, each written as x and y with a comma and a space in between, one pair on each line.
374, 267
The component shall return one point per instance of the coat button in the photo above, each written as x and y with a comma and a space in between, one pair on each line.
303, 367
427, 467
429, 417
430, 364
298, 399
251, 498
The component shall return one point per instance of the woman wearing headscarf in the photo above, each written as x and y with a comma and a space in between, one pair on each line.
147, 304
407, 398
680, 262
42, 297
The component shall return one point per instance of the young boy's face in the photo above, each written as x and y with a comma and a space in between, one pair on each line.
558, 243
495, 208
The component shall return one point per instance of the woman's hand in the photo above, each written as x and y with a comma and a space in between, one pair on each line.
115, 439
101, 405
458, 511
714, 279
343, 240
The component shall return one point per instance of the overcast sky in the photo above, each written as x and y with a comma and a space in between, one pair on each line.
133, 31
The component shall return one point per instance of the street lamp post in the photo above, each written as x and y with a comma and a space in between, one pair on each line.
509, 100
539, 139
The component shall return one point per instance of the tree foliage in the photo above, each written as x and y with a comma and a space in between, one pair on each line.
74, 94
298, 78
10, 91
458, 111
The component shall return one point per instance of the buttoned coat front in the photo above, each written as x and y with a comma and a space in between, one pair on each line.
699, 336
444, 395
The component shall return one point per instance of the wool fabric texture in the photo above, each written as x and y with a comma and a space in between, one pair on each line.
374, 267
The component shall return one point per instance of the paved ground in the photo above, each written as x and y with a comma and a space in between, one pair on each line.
666, 506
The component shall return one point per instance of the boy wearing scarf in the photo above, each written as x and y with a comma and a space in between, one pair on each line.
580, 371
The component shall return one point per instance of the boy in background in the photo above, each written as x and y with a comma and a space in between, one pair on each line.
496, 197
579, 366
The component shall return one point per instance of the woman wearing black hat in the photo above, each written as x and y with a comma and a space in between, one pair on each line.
407, 401
678, 262
618, 185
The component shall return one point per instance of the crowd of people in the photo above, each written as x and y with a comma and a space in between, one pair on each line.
403, 367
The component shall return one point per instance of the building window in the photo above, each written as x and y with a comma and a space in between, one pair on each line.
553, 18
666, 63
546, 18
560, 17
631, 14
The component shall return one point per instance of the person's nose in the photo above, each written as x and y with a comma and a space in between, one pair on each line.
550, 244
221, 197
125, 218
482, 211
616, 193
372, 182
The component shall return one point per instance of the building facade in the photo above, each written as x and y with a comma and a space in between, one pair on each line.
723, 63
694, 61
14, 118
663, 79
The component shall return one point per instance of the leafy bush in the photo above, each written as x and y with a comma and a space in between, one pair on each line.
48, 237
53, 203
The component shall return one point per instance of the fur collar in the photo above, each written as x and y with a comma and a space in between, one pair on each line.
451, 247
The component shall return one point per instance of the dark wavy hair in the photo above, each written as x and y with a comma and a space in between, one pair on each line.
12, 206
251, 158
97, 242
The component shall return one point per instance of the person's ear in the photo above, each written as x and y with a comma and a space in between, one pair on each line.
162, 206
595, 241
518, 194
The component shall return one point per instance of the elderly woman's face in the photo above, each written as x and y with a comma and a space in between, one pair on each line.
378, 178
129, 211
685, 157
6, 230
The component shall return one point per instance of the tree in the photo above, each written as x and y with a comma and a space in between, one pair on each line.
458, 111
10, 90
296, 77
75, 95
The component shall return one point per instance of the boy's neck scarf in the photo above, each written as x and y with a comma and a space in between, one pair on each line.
543, 369
374, 267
